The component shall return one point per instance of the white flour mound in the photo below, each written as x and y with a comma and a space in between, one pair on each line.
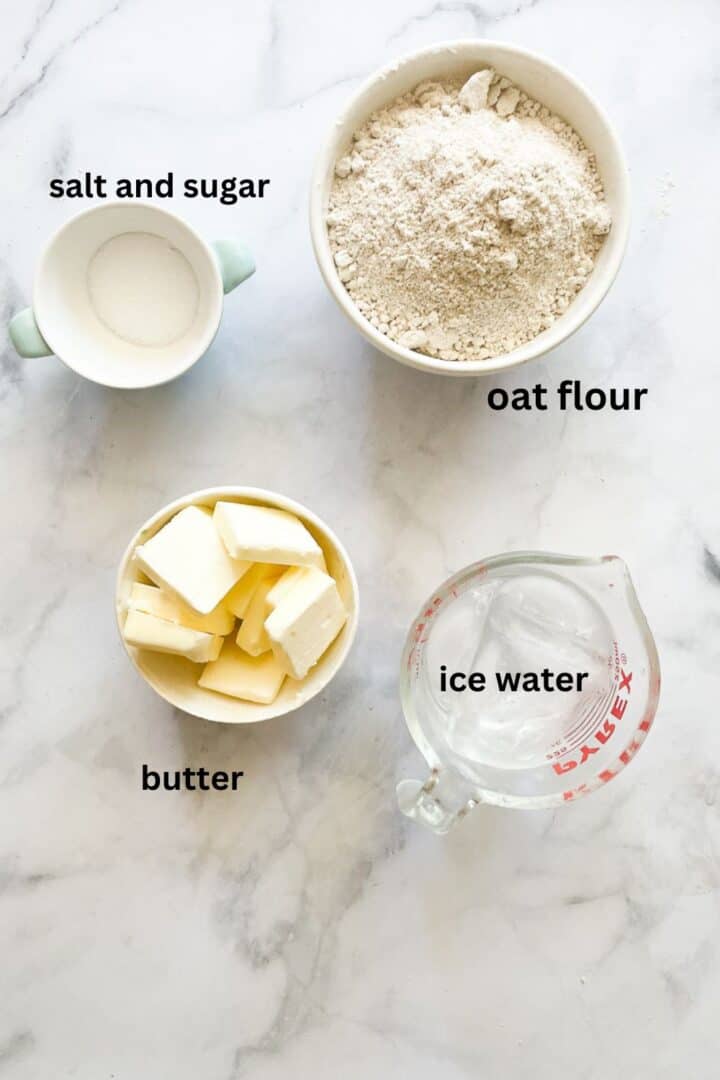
465, 218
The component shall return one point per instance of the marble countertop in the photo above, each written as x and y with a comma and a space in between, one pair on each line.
303, 927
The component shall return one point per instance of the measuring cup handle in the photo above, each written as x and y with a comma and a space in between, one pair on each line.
442, 801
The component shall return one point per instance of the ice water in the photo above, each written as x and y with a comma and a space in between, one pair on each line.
524, 622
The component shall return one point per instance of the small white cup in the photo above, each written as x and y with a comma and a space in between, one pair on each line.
63, 320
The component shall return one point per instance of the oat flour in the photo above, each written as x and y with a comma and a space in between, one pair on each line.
465, 218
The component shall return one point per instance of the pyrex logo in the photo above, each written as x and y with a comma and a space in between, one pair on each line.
604, 732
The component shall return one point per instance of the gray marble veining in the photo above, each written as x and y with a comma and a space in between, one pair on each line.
302, 927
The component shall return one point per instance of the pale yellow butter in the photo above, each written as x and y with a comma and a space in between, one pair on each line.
306, 619
166, 605
188, 557
146, 631
238, 599
283, 585
253, 678
252, 636
264, 534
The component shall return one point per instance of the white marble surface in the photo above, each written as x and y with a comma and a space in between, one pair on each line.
303, 927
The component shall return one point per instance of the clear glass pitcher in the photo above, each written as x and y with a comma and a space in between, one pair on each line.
527, 680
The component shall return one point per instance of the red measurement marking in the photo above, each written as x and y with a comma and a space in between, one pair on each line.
631, 751
572, 793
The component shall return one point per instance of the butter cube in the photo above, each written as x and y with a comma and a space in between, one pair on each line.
149, 632
307, 618
238, 599
283, 585
166, 605
252, 636
254, 678
263, 534
188, 557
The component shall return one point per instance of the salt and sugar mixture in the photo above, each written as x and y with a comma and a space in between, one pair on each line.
465, 218
143, 289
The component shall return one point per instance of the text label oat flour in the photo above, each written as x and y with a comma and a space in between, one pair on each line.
570, 394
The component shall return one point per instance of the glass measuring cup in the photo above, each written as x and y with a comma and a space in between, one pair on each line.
549, 740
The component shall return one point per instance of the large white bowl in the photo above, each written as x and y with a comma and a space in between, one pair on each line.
175, 679
541, 80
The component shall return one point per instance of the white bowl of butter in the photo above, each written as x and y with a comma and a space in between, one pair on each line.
144, 596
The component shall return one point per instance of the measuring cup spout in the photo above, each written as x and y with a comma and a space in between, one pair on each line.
596, 574
443, 800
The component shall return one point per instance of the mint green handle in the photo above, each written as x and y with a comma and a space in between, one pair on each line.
26, 336
236, 263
